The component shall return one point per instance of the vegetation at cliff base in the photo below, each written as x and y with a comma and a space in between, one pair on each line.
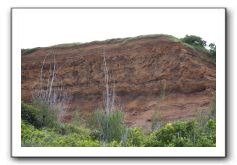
39, 129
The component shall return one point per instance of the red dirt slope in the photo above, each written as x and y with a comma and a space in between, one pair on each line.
150, 73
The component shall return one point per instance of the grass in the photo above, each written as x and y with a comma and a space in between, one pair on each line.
67, 45
123, 41
197, 48
206, 54
28, 51
108, 41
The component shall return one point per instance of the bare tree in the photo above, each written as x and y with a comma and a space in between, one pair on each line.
50, 90
109, 94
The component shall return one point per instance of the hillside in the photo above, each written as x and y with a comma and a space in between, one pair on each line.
149, 74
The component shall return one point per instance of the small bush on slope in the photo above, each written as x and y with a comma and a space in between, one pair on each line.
39, 115
194, 40
32, 137
183, 134
135, 138
109, 126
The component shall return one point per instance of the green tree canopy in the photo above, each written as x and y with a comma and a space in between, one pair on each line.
194, 40
212, 49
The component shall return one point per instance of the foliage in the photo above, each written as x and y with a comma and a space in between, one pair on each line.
212, 51
31, 115
28, 51
197, 43
66, 129
194, 40
212, 108
39, 114
67, 45
32, 137
183, 134
76, 117
113, 143
155, 121
135, 137
110, 125
110, 131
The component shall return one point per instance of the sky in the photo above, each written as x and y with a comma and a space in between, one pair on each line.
47, 27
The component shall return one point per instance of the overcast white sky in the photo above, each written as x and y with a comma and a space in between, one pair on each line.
46, 27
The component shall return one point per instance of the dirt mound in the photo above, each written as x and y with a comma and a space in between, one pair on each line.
149, 73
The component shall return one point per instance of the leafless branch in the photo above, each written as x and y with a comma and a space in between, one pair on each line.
51, 90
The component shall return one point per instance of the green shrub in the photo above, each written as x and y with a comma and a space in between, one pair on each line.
194, 40
32, 137
156, 121
212, 135
65, 129
110, 125
73, 140
113, 143
212, 51
76, 117
95, 134
31, 115
26, 131
28, 51
165, 134
39, 114
183, 134
212, 108
135, 137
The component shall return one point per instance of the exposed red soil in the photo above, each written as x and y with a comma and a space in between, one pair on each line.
149, 73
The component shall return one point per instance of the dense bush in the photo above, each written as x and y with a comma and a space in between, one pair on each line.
39, 114
194, 40
183, 134
32, 137
212, 50
109, 126
66, 129
135, 138
31, 115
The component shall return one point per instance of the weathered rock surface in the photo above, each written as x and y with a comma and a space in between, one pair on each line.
149, 74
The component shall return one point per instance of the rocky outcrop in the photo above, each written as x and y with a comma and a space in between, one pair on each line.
149, 73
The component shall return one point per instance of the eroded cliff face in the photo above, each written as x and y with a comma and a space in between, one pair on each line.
149, 74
